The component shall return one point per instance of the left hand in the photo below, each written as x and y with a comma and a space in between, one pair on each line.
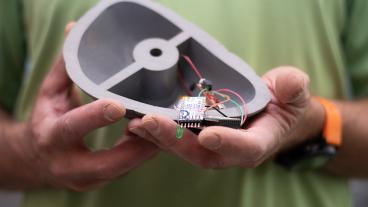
290, 118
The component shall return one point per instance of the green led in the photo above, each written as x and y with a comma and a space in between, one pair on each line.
179, 132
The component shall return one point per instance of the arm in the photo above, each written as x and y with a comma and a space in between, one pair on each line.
352, 156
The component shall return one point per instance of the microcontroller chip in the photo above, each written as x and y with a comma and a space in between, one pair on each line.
191, 111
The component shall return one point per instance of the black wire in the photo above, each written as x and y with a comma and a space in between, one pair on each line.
220, 112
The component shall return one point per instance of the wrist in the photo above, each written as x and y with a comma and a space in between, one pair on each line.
315, 119
321, 137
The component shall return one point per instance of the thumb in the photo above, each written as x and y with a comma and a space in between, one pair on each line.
289, 85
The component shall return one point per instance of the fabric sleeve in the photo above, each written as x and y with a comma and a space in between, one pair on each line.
12, 52
355, 42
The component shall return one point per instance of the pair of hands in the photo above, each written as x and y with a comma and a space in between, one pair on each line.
53, 136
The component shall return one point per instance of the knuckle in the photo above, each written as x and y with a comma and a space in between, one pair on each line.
293, 73
301, 79
66, 128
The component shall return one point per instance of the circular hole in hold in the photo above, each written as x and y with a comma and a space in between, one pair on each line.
156, 52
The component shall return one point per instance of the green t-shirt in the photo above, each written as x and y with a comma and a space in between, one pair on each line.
326, 39
12, 52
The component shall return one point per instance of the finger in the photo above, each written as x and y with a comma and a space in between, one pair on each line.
162, 131
112, 163
135, 127
238, 147
157, 129
57, 81
289, 85
69, 27
77, 123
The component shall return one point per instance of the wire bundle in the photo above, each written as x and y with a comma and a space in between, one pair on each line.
217, 97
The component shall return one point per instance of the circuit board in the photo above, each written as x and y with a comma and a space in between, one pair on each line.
191, 111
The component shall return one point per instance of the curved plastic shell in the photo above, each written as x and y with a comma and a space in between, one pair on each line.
129, 50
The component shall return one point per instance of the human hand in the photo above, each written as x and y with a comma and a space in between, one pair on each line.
291, 117
52, 145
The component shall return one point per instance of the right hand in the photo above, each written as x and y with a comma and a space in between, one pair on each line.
53, 144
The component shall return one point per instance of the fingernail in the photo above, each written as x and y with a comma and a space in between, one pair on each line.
150, 124
212, 142
138, 131
113, 112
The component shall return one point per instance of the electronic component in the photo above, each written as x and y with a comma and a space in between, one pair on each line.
203, 83
191, 111
222, 121
192, 114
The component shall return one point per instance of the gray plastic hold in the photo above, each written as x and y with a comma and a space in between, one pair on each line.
129, 50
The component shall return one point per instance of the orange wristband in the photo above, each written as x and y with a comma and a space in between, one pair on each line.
332, 129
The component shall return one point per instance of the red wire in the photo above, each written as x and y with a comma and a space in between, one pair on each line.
227, 98
210, 96
241, 99
190, 62
212, 99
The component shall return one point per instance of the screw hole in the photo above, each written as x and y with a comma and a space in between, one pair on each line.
156, 52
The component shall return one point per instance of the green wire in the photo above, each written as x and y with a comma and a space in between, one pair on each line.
201, 92
240, 108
